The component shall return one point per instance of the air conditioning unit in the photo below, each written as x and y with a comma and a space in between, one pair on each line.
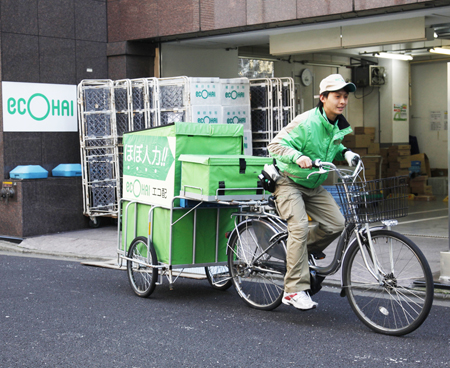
377, 76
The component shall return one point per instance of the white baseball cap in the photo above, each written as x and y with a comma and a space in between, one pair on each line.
335, 82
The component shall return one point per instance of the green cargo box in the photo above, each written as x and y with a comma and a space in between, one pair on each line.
222, 177
210, 242
151, 170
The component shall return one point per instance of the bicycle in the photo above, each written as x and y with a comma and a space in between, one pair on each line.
385, 276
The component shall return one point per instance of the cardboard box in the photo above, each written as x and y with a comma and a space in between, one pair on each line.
424, 163
426, 198
400, 147
364, 130
360, 151
371, 170
357, 141
398, 153
384, 152
373, 149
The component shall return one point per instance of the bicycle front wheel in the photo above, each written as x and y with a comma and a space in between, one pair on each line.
257, 271
399, 301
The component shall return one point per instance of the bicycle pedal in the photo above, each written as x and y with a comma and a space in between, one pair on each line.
318, 255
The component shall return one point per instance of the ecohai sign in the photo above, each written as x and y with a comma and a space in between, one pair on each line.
38, 107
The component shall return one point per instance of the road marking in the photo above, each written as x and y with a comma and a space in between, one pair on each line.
427, 219
415, 213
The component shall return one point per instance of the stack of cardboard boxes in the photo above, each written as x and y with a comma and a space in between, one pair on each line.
362, 143
399, 160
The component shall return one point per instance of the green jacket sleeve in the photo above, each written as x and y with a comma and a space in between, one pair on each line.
288, 144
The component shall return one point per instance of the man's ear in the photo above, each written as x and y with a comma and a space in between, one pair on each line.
322, 98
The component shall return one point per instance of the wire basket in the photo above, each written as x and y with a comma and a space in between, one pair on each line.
374, 200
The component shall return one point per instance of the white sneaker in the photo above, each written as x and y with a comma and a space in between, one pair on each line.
300, 300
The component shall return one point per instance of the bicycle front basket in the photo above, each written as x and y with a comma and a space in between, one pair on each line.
374, 200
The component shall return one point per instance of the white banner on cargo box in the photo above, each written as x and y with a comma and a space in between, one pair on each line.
207, 114
237, 115
248, 146
39, 107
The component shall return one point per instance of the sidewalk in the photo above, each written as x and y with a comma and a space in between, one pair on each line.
90, 244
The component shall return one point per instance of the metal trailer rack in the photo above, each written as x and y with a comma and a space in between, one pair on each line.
99, 150
174, 100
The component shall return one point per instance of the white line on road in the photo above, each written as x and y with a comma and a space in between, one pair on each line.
415, 213
426, 219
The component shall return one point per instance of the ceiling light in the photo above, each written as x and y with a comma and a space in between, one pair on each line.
393, 56
440, 50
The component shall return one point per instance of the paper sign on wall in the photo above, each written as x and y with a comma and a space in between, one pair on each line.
400, 112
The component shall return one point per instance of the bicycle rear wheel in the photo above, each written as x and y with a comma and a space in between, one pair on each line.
257, 272
398, 303
142, 277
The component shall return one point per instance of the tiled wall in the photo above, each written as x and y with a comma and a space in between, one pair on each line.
135, 19
49, 41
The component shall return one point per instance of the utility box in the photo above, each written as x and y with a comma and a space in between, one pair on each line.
214, 177
67, 170
151, 170
28, 172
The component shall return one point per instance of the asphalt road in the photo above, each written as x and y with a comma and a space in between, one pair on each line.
59, 313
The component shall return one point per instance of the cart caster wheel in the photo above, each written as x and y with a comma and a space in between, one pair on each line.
94, 223
141, 275
218, 277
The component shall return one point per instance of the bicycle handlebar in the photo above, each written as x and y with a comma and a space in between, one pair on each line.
320, 165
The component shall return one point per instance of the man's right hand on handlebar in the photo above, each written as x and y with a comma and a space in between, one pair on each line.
304, 162
352, 158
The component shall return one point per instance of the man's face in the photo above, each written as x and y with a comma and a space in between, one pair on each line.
335, 103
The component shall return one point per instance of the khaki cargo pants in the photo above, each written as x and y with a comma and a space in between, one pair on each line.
294, 203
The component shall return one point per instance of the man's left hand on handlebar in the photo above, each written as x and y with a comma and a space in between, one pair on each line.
352, 158
304, 162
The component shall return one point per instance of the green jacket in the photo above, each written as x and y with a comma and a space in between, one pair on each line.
309, 134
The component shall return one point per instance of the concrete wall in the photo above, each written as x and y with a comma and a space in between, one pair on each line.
193, 62
305, 94
429, 93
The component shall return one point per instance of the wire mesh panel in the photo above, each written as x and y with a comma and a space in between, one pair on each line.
139, 103
374, 200
122, 106
104, 196
153, 113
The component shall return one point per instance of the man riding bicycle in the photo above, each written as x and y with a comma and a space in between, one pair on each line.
315, 134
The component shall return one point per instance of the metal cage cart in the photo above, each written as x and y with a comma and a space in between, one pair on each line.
99, 149
273, 107
173, 99
261, 101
